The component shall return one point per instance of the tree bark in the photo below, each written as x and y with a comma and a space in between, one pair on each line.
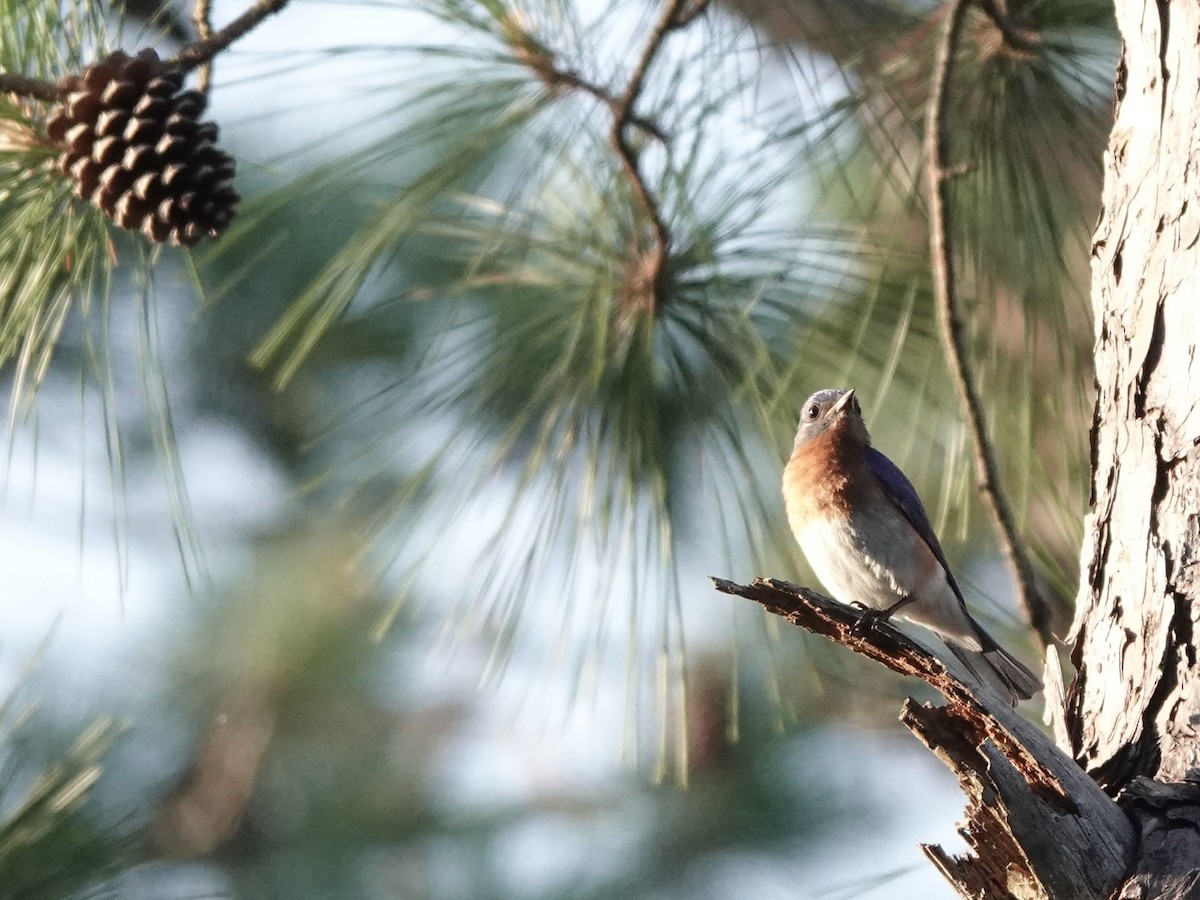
1133, 710
1135, 702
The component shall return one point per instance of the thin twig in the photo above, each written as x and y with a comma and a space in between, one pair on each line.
572, 79
540, 60
201, 51
675, 15
937, 149
197, 53
202, 19
23, 86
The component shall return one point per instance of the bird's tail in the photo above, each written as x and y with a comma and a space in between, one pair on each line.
999, 670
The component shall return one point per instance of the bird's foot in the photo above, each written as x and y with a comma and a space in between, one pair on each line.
871, 617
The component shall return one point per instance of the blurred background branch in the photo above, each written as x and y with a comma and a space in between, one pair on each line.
202, 51
938, 132
202, 19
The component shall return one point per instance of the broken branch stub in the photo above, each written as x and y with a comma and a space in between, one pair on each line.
1038, 827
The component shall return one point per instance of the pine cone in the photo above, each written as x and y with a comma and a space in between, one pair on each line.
132, 143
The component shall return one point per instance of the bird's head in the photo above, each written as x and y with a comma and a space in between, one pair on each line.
827, 409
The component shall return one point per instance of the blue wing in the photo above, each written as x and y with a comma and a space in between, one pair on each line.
901, 492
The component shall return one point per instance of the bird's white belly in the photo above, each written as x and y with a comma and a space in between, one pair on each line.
876, 573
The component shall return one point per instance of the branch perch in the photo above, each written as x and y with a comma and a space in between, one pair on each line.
1051, 833
953, 333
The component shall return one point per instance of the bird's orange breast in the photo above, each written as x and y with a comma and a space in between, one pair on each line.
817, 479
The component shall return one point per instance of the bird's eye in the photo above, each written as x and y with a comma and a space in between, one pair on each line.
812, 412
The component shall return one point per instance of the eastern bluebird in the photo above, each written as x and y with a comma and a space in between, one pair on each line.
868, 538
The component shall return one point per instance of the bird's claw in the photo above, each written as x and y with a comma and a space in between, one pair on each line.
869, 619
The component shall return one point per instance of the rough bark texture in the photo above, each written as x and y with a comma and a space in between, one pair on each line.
1135, 705
1133, 710
1040, 828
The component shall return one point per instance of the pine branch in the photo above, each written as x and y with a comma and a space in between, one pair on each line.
23, 86
676, 14
953, 333
540, 59
199, 53
203, 50
557, 77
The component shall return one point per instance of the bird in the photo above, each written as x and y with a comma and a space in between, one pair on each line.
867, 537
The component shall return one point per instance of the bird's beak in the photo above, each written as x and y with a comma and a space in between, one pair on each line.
844, 402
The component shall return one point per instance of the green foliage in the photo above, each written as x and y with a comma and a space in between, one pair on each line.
55, 252
49, 847
529, 394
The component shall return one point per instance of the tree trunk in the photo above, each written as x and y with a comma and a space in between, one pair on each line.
1133, 711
